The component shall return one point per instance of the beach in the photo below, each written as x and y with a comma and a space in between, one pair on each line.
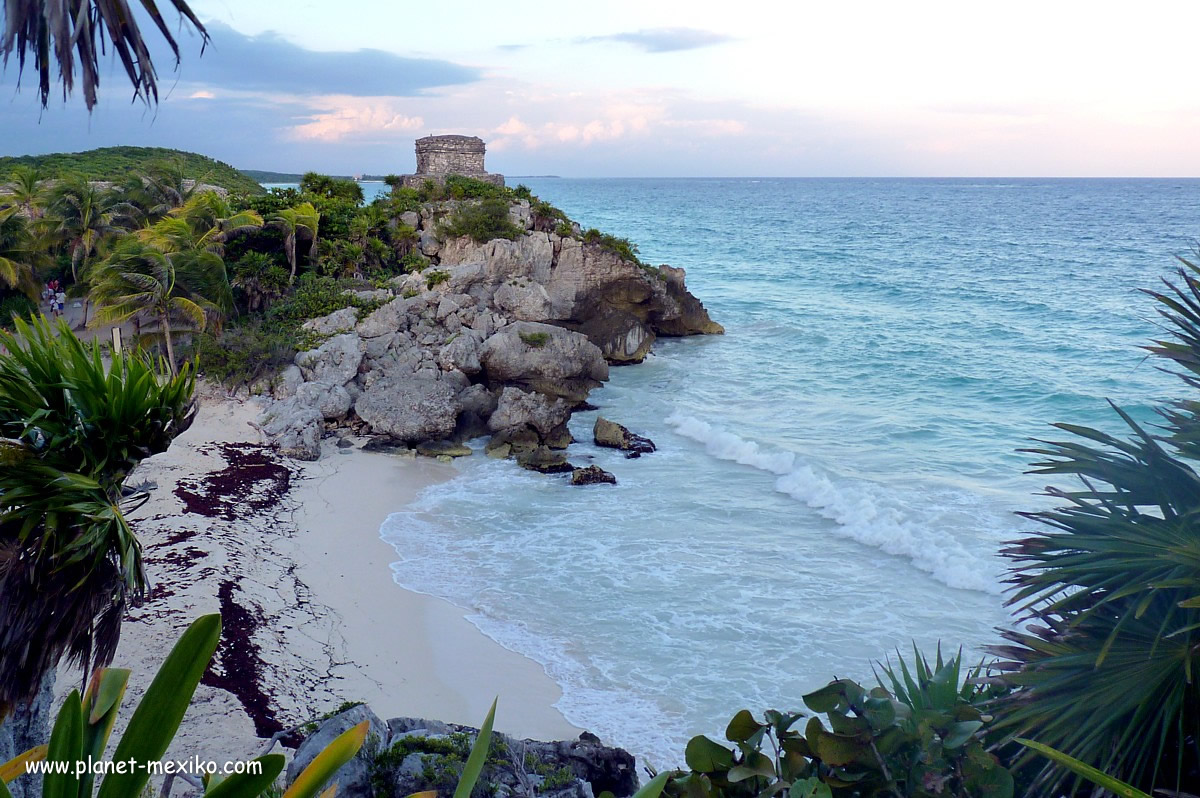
290, 554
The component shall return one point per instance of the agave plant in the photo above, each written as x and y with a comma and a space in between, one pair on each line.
1106, 667
84, 724
72, 427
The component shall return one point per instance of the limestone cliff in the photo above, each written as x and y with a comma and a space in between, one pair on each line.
505, 338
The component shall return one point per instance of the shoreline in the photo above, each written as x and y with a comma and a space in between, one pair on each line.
431, 661
309, 620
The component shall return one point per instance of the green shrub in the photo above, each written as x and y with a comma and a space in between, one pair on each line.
564, 230
547, 211
436, 277
483, 222
16, 306
431, 191
413, 262
242, 354
921, 738
459, 187
313, 296
537, 340
621, 246
404, 200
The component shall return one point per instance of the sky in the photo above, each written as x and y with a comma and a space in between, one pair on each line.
663, 88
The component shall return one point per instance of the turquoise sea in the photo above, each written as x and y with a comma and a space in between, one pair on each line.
836, 474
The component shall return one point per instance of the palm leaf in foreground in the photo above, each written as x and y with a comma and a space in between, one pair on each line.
57, 31
1106, 664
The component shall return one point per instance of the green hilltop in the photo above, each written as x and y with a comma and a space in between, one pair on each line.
115, 163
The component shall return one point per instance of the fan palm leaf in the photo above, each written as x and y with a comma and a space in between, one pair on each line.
1107, 663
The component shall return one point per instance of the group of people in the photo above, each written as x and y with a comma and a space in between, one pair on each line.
56, 297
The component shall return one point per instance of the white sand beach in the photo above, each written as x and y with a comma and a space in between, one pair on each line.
290, 553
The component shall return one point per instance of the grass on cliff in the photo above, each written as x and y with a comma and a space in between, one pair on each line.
116, 163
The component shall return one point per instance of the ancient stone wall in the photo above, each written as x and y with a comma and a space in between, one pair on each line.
445, 155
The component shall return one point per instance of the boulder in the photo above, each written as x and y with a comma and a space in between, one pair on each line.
512, 441
412, 409
294, 428
592, 475
383, 320
614, 436
411, 218
520, 215
288, 382
337, 322
462, 353
335, 362
528, 409
544, 358
429, 244
414, 755
353, 779
331, 401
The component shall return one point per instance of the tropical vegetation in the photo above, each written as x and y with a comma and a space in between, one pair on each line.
116, 164
1104, 663
73, 425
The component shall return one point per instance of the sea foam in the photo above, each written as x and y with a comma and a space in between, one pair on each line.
857, 510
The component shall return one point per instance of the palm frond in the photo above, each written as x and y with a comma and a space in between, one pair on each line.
59, 32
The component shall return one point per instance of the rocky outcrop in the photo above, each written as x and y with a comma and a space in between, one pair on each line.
502, 338
592, 475
411, 755
614, 436
354, 777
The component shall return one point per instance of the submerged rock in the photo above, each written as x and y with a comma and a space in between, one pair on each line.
443, 449
592, 475
614, 436
544, 460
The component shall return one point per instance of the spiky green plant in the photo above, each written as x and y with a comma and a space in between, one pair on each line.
72, 428
1106, 665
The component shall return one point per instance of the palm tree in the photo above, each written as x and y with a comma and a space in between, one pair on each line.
17, 253
53, 32
302, 218
72, 428
27, 190
80, 219
205, 221
141, 281
1109, 670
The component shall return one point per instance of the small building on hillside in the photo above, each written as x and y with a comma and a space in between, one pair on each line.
439, 156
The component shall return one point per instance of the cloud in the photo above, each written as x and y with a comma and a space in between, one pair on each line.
663, 40
355, 117
268, 62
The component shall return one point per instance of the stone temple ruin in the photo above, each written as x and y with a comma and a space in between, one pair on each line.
438, 156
